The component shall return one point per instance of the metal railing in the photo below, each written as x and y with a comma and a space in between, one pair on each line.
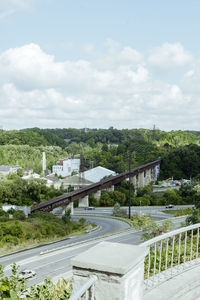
86, 291
171, 253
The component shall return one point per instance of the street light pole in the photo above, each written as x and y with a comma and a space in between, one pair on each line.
129, 208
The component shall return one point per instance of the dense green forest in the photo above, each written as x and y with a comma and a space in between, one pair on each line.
110, 148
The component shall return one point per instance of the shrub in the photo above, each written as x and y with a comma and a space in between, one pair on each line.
16, 230
9, 239
28, 236
106, 200
82, 221
37, 236
19, 215
92, 200
4, 219
67, 216
119, 212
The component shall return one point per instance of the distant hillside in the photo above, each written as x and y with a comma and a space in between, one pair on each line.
109, 148
63, 137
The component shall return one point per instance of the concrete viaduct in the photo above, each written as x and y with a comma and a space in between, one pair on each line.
140, 176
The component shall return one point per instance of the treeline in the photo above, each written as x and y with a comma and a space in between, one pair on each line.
109, 148
63, 137
187, 194
18, 191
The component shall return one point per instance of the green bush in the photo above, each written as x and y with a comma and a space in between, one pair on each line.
106, 199
92, 200
82, 221
119, 212
16, 230
28, 236
19, 215
9, 239
4, 219
37, 236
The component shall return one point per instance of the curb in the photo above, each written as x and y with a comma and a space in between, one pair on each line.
86, 241
54, 242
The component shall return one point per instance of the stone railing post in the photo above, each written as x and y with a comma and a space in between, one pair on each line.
119, 269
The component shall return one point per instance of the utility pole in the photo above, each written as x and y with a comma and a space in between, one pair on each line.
129, 208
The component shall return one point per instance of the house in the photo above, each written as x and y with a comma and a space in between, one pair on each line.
6, 169
65, 166
49, 180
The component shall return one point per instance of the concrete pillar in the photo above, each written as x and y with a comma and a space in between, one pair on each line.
111, 189
97, 195
70, 206
148, 177
141, 180
83, 202
155, 172
63, 209
134, 182
119, 269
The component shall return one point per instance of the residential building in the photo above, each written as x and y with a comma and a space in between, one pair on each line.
65, 166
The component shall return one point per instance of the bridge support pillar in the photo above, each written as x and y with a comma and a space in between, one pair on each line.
134, 182
69, 206
155, 172
141, 180
83, 202
111, 189
148, 177
97, 195
117, 276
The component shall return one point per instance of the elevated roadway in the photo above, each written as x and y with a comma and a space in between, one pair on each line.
66, 199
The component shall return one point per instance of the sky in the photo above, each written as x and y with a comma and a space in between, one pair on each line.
97, 64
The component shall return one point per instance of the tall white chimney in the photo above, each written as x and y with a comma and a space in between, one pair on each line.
44, 166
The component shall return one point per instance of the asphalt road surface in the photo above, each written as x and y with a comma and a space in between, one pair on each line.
54, 259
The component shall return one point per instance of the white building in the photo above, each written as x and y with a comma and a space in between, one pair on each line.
96, 174
6, 169
65, 166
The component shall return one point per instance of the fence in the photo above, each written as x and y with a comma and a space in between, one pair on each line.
86, 291
170, 254
121, 271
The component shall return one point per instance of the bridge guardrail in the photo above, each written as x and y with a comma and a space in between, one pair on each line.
171, 253
86, 290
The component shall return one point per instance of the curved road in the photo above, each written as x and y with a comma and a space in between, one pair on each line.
56, 257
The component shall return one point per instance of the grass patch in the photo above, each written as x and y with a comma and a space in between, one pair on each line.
179, 212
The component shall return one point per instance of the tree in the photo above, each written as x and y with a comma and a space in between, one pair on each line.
106, 200
119, 212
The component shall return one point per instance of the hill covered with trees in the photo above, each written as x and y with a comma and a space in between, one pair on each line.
109, 148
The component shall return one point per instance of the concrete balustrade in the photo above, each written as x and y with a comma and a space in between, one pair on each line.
119, 269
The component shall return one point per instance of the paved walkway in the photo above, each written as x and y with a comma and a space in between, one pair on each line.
185, 286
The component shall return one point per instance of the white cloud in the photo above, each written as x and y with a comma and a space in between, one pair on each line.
37, 90
170, 56
8, 7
